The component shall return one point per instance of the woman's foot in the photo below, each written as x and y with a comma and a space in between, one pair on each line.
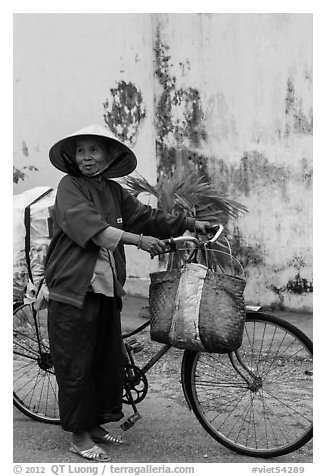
101, 435
83, 440
83, 445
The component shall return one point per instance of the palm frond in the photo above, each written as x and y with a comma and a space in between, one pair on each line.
138, 185
188, 192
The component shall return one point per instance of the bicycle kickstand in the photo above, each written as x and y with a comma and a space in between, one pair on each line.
126, 425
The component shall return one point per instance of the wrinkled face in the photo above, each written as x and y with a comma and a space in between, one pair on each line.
91, 155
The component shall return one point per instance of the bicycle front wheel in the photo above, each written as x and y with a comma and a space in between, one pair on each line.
34, 384
258, 400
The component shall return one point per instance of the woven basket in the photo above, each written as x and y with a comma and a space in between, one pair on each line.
197, 309
222, 312
162, 292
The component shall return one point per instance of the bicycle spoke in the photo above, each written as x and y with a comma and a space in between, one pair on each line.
235, 403
277, 352
35, 357
26, 336
288, 406
28, 349
31, 390
205, 384
286, 376
211, 361
253, 424
267, 414
28, 366
240, 418
288, 358
259, 357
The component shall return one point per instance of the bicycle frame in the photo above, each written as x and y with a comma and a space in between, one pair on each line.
234, 358
156, 357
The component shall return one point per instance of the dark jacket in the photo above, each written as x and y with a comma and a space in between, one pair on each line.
84, 207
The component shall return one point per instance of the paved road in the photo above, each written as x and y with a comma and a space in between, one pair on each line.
167, 432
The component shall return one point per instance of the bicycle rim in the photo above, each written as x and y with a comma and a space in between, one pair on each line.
271, 414
34, 384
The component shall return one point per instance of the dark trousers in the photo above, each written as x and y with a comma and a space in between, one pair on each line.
88, 359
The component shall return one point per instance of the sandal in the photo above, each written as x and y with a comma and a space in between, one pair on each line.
95, 453
107, 438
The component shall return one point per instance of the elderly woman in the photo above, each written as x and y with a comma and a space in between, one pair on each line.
94, 217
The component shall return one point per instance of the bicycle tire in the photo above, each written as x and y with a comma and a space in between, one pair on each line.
34, 384
270, 421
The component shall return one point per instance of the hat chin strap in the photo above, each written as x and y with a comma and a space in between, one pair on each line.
100, 172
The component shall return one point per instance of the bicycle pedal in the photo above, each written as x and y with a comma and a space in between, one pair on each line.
135, 345
130, 421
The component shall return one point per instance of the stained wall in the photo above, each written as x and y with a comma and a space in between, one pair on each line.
238, 93
233, 92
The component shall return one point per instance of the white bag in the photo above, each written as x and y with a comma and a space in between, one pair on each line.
185, 320
32, 230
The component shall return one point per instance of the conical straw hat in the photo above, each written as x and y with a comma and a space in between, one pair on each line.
122, 161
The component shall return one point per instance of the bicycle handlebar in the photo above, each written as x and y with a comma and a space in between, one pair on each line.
216, 229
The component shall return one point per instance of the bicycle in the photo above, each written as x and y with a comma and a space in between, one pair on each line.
256, 401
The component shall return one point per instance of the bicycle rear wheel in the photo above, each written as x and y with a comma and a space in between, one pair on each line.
34, 384
257, 401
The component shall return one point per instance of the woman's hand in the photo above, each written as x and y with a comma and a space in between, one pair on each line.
200, 226
152, 245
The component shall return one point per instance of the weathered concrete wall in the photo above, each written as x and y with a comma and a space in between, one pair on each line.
71, 70
234, 91
238, 90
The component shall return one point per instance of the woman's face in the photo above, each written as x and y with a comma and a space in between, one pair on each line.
91, 156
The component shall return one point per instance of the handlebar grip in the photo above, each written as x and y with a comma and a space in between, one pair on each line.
210, 229
170, 243
213, 232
